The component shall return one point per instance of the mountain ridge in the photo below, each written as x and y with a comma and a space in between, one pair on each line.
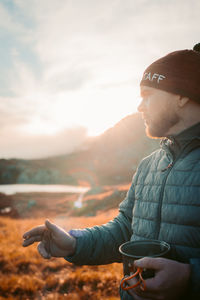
109, 158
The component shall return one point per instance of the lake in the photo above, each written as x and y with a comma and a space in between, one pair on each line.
10, 189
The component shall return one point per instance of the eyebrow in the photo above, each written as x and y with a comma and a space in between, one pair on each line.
145, 93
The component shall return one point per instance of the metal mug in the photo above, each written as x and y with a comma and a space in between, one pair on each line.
138, 249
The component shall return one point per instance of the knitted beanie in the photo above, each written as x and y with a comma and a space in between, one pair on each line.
177, 73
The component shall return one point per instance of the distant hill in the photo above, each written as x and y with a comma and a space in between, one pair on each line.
110, 158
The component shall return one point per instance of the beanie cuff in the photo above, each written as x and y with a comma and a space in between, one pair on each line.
177, 73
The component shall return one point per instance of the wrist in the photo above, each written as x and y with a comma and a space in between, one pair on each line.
72, 250
73, 245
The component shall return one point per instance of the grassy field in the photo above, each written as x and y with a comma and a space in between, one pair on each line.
25, 275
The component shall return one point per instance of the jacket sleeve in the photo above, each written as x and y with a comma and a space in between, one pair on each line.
99, 244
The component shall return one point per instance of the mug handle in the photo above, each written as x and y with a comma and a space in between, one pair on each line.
141, 281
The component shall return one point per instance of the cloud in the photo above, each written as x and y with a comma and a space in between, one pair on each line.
23, 145
76, 62
78, 42
111, 37
73, 78
8, 23
12, 114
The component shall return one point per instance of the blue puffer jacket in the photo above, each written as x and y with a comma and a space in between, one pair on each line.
163, 203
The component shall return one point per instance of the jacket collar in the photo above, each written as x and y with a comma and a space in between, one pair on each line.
175, 143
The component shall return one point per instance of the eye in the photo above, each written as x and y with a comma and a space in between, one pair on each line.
145, 99
144, 95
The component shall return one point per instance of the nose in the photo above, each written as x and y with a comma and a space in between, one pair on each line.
141, 106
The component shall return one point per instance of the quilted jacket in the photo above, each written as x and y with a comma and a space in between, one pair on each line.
162, 203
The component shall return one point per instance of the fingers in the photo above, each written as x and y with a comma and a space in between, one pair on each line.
149, 263
156, 264
31, 240
34, 232
139, 291
43, 246
39, 234
42, 250
33, 235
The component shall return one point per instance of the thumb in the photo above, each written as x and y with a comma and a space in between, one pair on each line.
148, 263
51, 226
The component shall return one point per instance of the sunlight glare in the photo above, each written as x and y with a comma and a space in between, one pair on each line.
95, 109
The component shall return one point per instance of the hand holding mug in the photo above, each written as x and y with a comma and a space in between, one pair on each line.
134, 250
170, 281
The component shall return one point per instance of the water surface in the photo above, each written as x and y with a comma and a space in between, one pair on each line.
10, 189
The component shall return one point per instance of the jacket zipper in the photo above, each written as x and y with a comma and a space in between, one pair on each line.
168, 169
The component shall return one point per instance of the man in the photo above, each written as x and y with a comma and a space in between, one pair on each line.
163, 202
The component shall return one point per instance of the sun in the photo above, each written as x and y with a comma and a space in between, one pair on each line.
96, 110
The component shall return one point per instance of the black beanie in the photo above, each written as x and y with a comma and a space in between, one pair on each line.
177, 73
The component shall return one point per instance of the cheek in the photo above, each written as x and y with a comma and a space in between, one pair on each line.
155, 107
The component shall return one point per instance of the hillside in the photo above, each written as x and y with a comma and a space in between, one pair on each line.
110, 158
107, 164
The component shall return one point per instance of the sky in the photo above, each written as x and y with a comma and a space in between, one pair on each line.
71, 68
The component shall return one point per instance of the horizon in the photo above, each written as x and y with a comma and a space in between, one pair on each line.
71, 70
86, 142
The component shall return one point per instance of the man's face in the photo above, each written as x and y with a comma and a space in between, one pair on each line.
158, 110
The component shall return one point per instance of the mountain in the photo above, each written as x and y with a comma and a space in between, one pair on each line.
109, 158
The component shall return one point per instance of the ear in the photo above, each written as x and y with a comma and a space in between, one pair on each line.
182, 101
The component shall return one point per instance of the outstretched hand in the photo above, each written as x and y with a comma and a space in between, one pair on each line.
171, 279
54, 241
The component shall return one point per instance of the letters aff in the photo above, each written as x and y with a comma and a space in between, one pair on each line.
153, 77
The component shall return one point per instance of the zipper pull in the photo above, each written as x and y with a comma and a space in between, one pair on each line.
169, 166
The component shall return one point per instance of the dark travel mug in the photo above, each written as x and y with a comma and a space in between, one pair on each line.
138, 249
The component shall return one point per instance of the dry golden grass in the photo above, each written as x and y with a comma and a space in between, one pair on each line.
25, 275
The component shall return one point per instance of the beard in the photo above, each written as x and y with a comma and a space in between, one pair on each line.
159, 128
